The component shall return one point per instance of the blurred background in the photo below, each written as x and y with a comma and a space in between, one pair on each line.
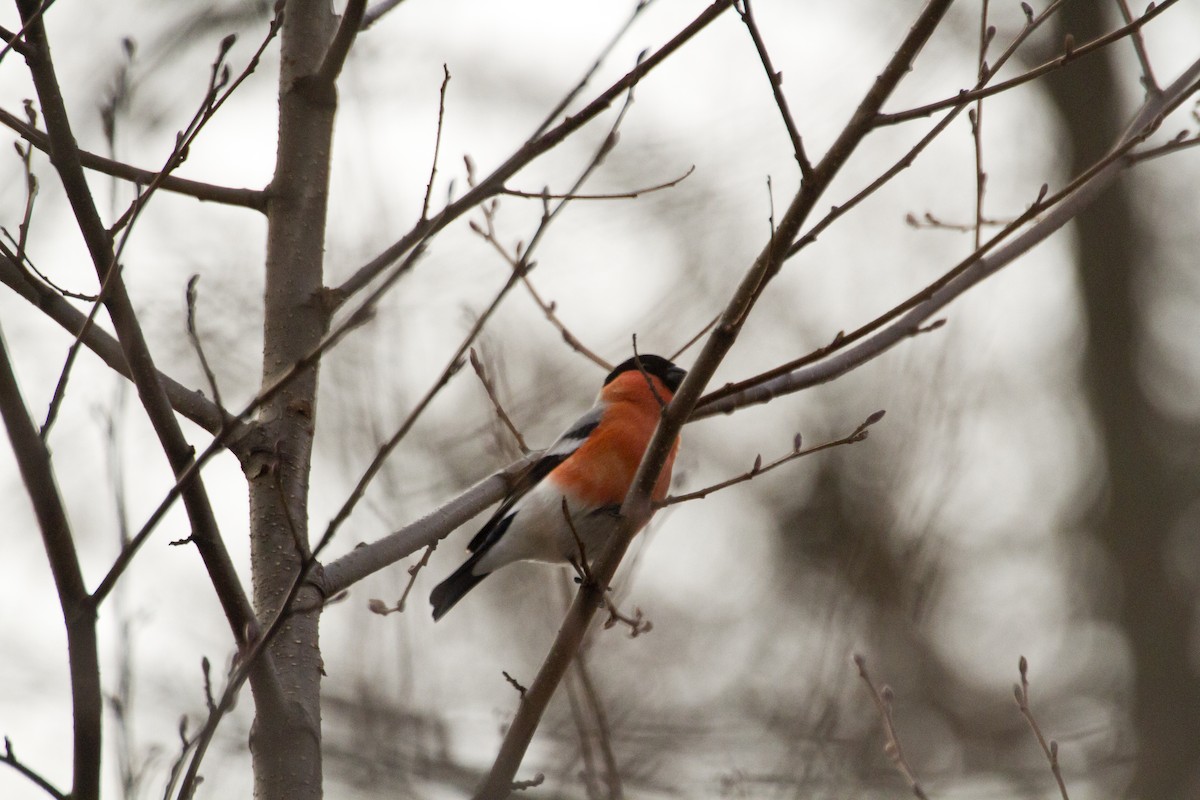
1032, 490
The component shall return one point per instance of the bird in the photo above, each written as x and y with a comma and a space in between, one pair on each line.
585, 475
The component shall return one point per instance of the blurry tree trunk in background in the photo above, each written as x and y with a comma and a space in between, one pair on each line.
1144, 494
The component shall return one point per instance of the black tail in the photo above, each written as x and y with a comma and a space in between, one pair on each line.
451, 590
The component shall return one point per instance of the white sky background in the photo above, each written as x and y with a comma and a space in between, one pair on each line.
986, 452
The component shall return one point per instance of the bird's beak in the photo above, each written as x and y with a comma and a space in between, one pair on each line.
675, 376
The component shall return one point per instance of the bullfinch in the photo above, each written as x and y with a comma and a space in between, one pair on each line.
590, 467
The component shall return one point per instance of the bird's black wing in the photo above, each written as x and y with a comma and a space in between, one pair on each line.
555, 454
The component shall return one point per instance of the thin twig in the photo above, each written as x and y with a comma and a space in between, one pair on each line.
699, 334
339, 48
15, 41
520, 786
776, 80
603, 730
220, 89
573, 341
449, 371
883, 702
986, 34
1049, 748
582, 567
929, 221
967, 96
631, 194
490, 388
1139, 46
437, 142
637, 622
1182, 142
637, 361
78, 611
10, 757
209, 375
520, 259
377, 11
381, 608
197, 408
255, 199
31, 190
60, 387
519, 262
542, 142
514, 683
31, 271
859, 434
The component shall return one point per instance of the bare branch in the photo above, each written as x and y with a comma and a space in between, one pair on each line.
907, 318
975, 115
1139, 46
776, 80
187, 402
514, 683
343, 40
79, 613
15, 41
536, 146
255, 199
859, 434
883, 702
1021, 693
377, 11
699, 335
437, 142
964, 97
573, 341
60, 388
10, 757
195, 339
488, 387
381, 608
632, 194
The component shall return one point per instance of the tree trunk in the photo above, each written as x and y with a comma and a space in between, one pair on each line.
286, 752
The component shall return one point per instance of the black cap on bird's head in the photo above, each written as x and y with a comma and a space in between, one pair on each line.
659, 367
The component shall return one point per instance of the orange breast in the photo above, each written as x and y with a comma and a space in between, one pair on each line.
601, 471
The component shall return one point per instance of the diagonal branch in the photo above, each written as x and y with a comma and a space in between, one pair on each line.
776, 79
255, 199
79, 612
10, 758
343, 40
